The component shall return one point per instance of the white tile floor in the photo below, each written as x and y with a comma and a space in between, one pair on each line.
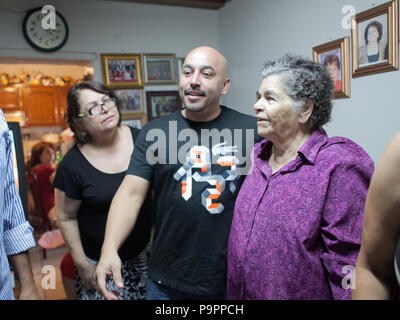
47, 272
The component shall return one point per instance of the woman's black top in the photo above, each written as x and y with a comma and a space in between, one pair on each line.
96, 189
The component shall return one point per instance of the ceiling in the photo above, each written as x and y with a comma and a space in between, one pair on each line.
205, 4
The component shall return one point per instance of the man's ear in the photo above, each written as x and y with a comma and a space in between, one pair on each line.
307, 110
225, 88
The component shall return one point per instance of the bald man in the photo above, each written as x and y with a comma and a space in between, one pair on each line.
194, 160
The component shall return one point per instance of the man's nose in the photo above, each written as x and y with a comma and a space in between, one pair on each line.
195, 80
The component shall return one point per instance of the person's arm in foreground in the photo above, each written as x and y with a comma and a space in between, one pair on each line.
17, 237
22, 266
121, 219
381, 228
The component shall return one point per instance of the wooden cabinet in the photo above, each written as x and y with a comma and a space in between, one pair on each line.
63, 103
11, 98
43, 105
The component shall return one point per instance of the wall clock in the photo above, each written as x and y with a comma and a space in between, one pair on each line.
44, 39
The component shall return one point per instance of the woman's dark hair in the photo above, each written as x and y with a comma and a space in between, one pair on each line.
332, 58
378, 27
74, 108
37, 150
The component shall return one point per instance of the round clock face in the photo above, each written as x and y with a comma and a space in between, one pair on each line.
41, 33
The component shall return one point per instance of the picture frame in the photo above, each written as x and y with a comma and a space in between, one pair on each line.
335, 55
159, 69
121, 70
160, 103
134, 120
375, 40
131, 100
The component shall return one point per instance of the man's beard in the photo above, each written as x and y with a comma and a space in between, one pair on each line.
193, 107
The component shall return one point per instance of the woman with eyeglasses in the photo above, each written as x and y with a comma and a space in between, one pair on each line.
85, 183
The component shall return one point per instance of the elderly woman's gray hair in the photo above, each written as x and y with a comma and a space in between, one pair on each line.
304, 80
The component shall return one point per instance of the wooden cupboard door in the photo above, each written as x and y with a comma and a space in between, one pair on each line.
41, 106
11, 98
63, 93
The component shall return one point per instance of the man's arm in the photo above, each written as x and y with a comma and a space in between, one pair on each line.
17, 237
381, 228
22, 266
121, 219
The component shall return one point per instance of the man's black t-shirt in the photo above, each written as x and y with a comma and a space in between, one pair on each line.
194, 171
82, 181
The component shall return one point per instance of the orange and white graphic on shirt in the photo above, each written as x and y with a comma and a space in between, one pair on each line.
199, 157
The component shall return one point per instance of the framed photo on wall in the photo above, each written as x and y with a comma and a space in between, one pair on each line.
161, 103
134, 121
131, 100
335, 55
121, 70
159, 68
375, 40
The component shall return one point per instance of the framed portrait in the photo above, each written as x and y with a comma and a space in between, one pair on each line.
131, 100
161, 103
134, 121
335, 55
159, 68
375, 40
121, 70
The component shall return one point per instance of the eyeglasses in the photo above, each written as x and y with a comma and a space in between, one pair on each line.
98, 108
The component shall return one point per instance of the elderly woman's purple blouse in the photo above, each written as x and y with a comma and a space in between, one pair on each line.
294, 231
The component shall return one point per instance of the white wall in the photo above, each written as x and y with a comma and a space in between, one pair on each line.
252, 31
247, 32
112, 27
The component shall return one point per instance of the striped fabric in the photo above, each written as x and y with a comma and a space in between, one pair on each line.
15, 232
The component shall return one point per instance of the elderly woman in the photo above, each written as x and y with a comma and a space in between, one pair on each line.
298, 216
374, 48
86, 180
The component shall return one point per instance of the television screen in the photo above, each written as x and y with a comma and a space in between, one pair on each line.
19, 163
14, 157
